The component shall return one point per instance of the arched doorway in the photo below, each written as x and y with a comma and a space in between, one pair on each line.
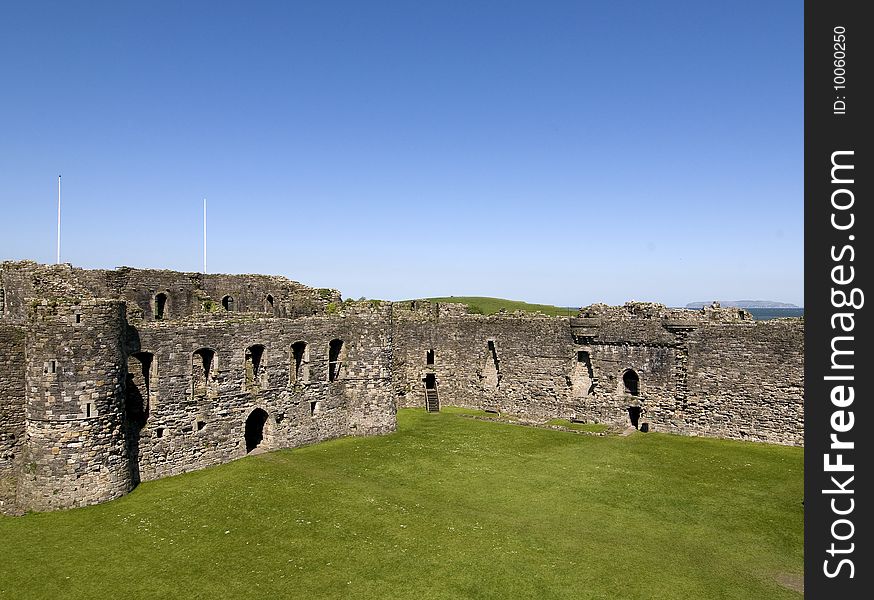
631, 381
255, 428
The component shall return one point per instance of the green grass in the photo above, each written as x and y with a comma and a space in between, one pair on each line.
447, 507
458, 410
590, 427
489, 306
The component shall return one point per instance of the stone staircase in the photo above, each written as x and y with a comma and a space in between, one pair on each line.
432, 404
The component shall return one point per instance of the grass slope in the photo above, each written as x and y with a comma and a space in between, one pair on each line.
447, 507
489, 306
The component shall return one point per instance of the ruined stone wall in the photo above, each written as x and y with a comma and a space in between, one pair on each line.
187, 294
190, 294
747, 382
115, 398
515, 363
711, 372
196, 418
108, 378
75, 451
12, 366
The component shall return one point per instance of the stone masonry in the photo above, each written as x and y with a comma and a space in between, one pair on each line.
109, 378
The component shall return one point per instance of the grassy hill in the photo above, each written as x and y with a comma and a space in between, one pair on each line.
447, 507
488, 306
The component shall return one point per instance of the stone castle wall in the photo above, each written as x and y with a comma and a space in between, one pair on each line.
75, 451
713, 372
195, 416
118, 390
109, 378
12, 385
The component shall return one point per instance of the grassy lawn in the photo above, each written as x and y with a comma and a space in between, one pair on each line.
489, 306
590, 427
447, 507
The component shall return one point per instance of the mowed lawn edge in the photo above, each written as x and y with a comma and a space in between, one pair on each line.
446, 507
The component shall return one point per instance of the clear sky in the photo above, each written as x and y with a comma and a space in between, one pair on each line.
555, 152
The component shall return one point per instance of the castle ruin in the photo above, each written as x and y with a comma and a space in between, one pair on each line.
109, 378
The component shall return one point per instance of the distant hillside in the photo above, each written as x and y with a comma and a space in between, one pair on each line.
744, 304
489, 306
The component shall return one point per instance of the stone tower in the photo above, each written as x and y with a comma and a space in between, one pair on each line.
75, 449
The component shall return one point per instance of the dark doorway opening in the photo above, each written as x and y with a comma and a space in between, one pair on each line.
255, 428
335, 359
429, 357
634, 415
160, 305
430, 382
300, 369
137, 394
268, 304
631, 382
228, 303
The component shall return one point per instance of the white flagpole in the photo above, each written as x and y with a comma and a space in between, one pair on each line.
204, 236
59, 220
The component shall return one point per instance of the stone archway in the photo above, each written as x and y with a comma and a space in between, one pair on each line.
254, 432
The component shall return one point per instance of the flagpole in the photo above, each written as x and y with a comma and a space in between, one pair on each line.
59, 220
204, 236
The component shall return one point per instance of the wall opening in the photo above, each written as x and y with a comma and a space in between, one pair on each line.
159, 432
201, 425
160, 306
254, 433
268, 304
2, 302
202, 371
429, 357
582, 377
492, 368
228, 303
77, 317
139, 385
315, 407
631, 381
138, 388
430, 381
300, 363
254, 366
634, 415
336, 358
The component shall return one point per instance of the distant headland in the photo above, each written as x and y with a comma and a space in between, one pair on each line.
744, 304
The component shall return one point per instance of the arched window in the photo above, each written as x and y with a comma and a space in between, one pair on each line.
228, 303
300, 363
202, 371
254, 366
336, 358
631, 381
160, 306
268, 304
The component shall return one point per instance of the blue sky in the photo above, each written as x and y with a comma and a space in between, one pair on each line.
559, 152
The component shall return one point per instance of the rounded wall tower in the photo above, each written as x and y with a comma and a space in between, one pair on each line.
75, 450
